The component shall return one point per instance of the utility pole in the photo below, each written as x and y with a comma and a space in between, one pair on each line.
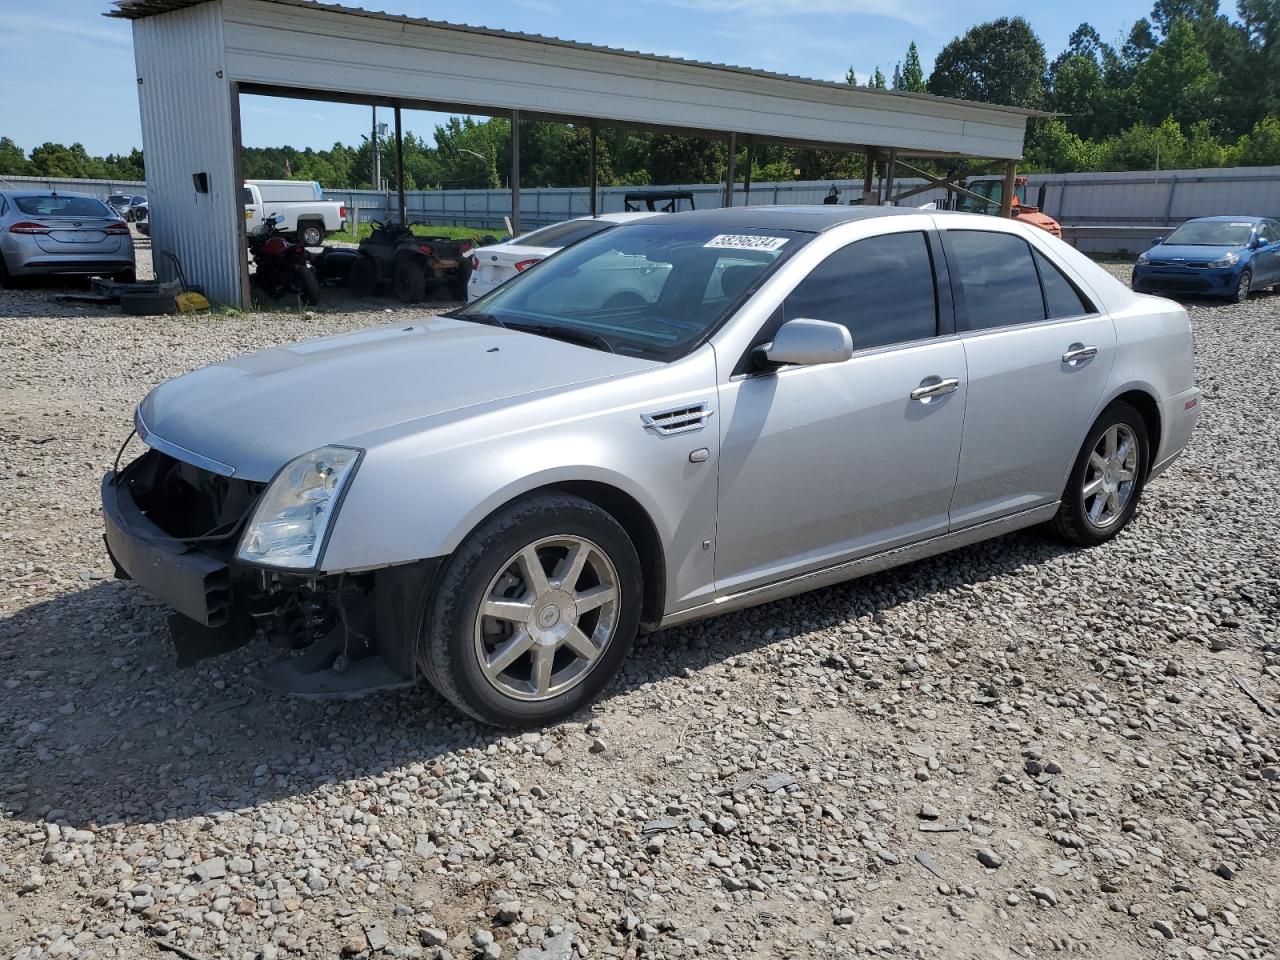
377, 158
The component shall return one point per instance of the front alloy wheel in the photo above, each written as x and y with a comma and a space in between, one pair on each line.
547, 617
1244, 286
534, 612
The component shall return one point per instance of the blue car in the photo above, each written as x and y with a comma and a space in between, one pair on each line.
1215, 256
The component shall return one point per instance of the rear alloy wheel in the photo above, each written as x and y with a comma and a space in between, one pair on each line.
1244, 286
1106, 481
311, 234
534, 613
410, 282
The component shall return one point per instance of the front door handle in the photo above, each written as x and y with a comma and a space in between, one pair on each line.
1077, 352
940, 388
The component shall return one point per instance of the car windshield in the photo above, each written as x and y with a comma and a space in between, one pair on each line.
648, 289
63, 207
117, 198
1212, 233
562, 234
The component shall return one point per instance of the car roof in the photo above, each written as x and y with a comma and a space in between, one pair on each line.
808, 219
14, 194
1248, 217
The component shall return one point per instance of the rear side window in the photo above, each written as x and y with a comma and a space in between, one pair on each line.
881, 288
994, 278
1061, 298
562, 234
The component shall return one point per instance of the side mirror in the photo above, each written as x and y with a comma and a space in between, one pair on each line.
1156, 241
805, 343
1255, 242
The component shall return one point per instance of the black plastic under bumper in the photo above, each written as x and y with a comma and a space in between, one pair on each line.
195, 584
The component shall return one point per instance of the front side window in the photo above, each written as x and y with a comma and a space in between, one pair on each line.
881, 288
994, 278
652, 289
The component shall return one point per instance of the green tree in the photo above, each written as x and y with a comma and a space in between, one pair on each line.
912, 77
1176, 79
1001, 61
12, 160
877, 80
1145, 147
1052, 147
1260, 147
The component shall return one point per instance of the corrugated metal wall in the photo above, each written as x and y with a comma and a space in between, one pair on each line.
185, 105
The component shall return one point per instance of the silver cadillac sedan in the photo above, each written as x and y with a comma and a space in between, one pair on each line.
665, 421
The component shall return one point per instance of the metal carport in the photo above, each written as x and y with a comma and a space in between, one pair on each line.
195, 57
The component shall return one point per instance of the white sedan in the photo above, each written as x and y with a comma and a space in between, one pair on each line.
497, 264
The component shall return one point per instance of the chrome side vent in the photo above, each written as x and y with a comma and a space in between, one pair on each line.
684, 419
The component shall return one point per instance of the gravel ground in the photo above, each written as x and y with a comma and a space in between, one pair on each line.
1013, 750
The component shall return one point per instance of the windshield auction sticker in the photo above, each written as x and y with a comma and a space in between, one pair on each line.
734, 241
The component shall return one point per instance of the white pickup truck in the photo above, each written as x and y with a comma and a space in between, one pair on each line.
307, 214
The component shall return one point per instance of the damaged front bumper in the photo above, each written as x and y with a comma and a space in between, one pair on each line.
173, 528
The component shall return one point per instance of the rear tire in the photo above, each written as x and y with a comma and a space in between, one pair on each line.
460, 646
1106, 481
311, 234
409, 281
7, 280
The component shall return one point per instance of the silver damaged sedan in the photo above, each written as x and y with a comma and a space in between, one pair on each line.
666, 421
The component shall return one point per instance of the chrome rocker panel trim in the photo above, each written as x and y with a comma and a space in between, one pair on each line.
862, 566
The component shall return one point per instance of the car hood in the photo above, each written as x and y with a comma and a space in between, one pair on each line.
251, 415
1195, 253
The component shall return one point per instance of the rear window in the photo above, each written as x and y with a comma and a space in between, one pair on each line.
63, 207
562, 234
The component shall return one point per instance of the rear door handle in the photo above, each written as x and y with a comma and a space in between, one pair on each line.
939, 389
1077, 352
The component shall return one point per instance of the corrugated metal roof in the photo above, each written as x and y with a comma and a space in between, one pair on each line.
138, 9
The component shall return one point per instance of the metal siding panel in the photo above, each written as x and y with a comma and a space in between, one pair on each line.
322, 50
186, 128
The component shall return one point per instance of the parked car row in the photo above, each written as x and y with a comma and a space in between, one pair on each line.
668, 419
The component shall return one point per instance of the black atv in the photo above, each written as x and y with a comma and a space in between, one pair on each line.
424, 261
374, 268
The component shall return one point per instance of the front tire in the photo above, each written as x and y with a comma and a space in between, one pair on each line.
534, 613
1106, 481
1244, 286
308, 284
363, 279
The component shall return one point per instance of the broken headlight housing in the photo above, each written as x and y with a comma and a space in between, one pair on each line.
291, 521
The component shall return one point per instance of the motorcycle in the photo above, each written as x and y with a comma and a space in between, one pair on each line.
281, 267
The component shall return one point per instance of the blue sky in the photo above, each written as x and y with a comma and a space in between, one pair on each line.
69, 71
